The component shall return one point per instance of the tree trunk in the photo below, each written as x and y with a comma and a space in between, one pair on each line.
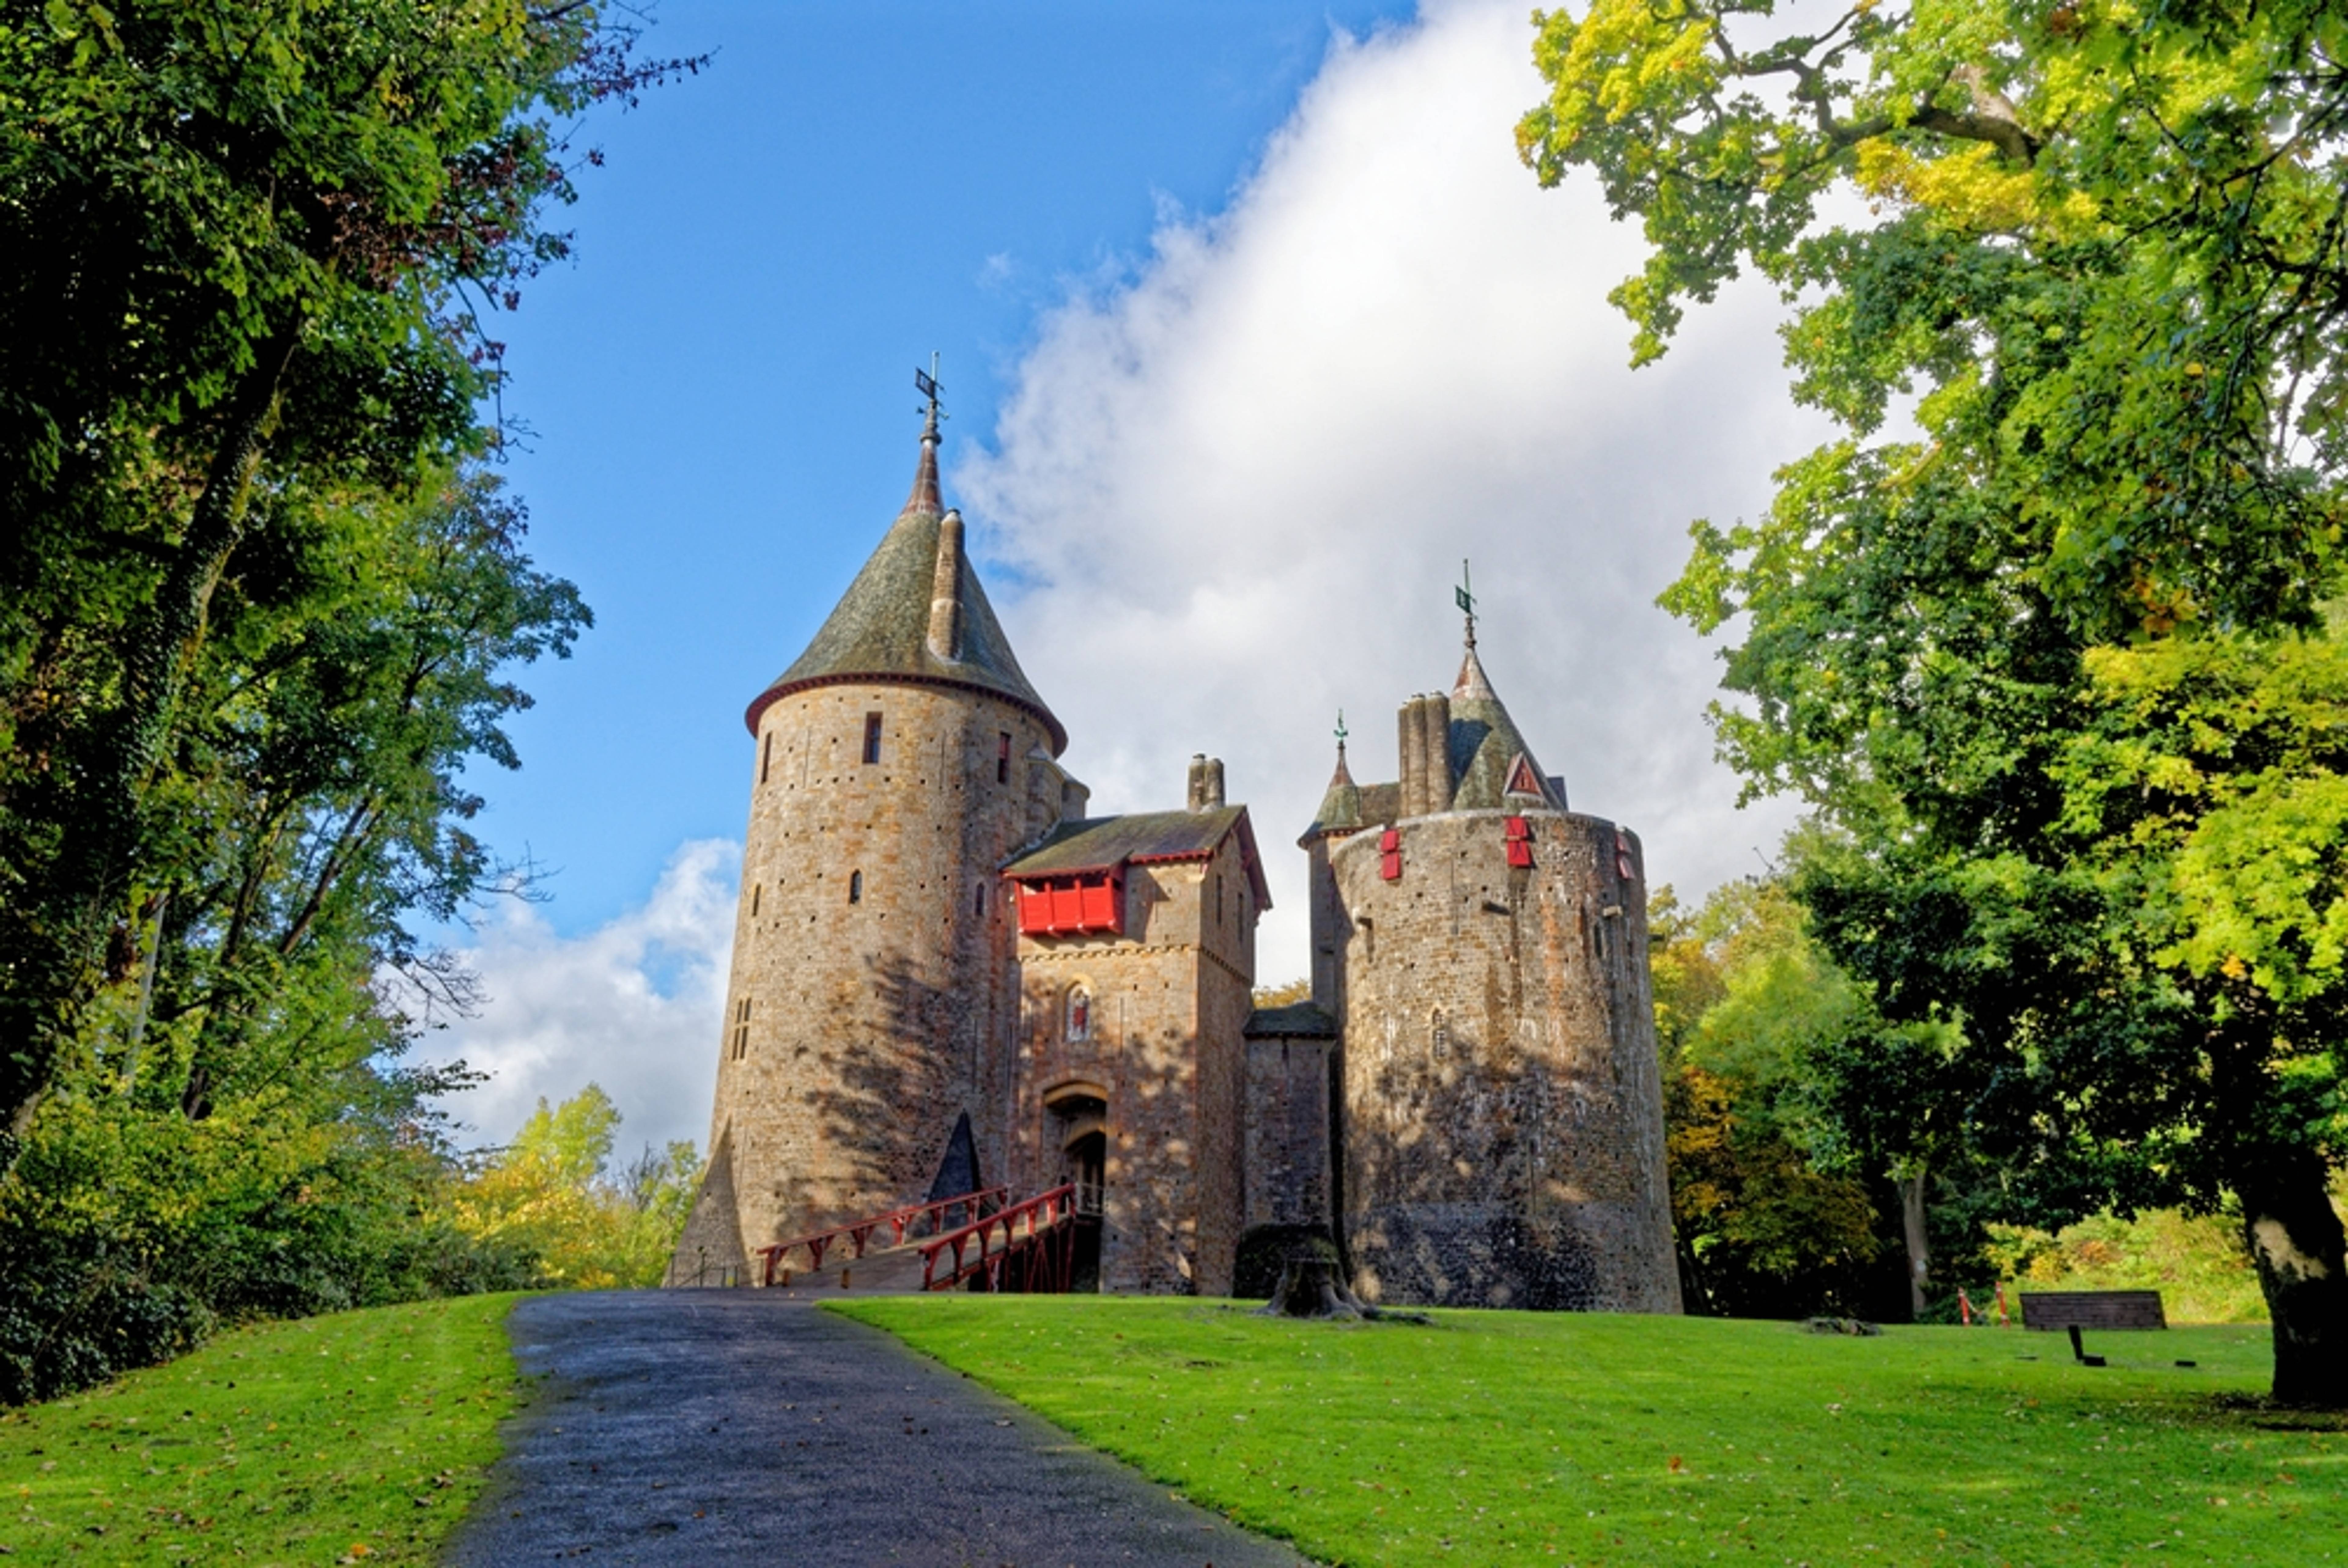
1309, 1287
1920, 1246
94, 858
2296, 1239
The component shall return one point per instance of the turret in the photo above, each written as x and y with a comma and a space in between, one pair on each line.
873, 1006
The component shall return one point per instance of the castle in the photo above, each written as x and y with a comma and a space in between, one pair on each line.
947, 975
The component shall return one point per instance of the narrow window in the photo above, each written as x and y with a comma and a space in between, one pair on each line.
978, 903
766, 757
1219, 899
742, 1029
856, 888
754, 900
871, 737
1003, 759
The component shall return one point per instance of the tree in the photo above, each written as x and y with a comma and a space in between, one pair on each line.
250, 249
2105, 254
551, 1193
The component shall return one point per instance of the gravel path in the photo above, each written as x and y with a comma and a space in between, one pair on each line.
701, 1426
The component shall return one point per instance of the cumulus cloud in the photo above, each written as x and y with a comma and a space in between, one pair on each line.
632, 1005
1239, 484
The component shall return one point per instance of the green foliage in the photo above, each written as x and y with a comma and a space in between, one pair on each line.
2197, 1263
1771, 1217
240, 351
259, 609
2108, 245
1509, 1437
552, 1194
2053, 672
363, 1436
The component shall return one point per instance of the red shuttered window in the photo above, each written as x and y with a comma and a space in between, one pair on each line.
1520, 842
1390, 855
1091, 903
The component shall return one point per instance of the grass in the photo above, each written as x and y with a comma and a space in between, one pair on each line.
360, 1437
1517, 1437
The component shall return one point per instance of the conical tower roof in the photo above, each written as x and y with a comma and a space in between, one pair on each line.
914, 617
1341, 806
1490, 758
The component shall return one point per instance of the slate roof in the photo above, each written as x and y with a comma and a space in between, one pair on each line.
1099, 842
1299, 1020
1484, 742
879, 628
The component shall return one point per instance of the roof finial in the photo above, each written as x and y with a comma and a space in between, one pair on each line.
1341, 732
1467, 602
925, 496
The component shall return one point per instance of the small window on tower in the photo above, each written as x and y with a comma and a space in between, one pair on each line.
978, 902
856, 888
871, 737
765, 758
1003, 759
754, 900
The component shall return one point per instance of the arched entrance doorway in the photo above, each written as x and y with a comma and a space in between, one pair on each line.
1076, 1118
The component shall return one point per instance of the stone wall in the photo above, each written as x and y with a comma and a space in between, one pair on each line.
1287, 1161
1503, 1108
1168, 1000
873, 995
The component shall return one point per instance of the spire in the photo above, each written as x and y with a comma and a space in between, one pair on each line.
917, 613
926, 497
1341, 804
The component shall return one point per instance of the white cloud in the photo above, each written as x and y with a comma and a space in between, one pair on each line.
1240, 485
632, 1005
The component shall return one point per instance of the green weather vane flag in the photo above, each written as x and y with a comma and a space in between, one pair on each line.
1467, 602
927, 383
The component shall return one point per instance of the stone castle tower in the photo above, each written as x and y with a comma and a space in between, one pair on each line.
872, 1010
1485, 952
947, 975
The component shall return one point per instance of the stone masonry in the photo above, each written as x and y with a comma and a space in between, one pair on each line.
948, 975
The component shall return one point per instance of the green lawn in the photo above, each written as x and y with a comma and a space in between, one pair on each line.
357, 1438
1516, 1437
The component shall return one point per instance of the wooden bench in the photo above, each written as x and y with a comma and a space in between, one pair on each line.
2059, 1309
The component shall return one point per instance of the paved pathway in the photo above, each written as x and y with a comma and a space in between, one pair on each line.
704, 1426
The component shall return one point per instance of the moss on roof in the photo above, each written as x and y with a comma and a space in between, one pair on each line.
1483, 743
1299, 1020
879, 628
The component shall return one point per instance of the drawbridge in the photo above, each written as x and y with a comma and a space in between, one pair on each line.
977, 1241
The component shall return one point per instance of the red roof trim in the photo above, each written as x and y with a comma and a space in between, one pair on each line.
774, 694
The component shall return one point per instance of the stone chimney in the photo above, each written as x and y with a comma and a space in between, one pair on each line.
1434, 737
1206, 792
945, 592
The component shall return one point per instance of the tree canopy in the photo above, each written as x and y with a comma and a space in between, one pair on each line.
2042, 636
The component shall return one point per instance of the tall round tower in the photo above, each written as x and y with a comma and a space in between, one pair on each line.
1503, 1109
871, 1016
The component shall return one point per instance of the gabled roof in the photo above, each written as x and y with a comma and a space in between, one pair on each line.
1104, 842
881, 629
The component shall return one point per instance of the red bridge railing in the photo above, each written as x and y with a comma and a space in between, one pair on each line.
857, 1232
986, 1244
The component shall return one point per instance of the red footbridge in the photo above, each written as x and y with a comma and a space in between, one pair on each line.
976, 1240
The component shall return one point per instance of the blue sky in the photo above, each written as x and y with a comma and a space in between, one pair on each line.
1253, 326
718, 392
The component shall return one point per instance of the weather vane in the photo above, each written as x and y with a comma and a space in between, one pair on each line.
1341, 729
927, 383
1466, 602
